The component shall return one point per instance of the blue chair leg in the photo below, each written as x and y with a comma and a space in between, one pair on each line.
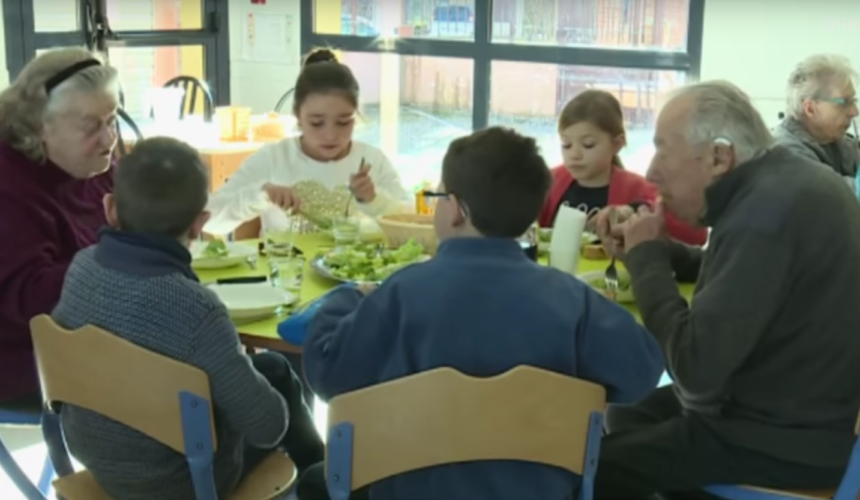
47, 476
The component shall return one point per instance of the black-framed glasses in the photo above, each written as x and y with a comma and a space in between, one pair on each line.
446, 195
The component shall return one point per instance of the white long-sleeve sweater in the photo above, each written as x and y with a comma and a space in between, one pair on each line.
242, 198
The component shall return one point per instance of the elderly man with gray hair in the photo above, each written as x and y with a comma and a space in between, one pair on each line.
764, 358
820, 107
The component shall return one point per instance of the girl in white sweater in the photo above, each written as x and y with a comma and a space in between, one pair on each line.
319, 170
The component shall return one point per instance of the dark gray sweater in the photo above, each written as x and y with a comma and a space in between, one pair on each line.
842, 156
767, 351
144, 291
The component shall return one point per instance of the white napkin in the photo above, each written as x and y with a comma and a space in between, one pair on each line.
566, 242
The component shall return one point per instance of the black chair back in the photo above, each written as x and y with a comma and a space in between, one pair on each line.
192, 86
123, 117
283, 100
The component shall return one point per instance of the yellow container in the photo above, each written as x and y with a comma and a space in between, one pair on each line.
234, 122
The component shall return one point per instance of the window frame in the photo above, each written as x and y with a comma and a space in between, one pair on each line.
22, 39
483, 51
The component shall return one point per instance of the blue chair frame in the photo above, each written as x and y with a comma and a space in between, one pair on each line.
196, 432
12, 417
339, 455
849, 487
577, 424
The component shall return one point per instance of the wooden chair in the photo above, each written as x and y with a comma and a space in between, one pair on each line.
158, 396
444, 416
249, 230
849, 488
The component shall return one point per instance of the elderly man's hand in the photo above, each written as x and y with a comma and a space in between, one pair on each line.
645, 225
608, 225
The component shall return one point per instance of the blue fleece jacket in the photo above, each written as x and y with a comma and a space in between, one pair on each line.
482, 307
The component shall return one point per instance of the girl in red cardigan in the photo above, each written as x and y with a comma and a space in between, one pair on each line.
591, 127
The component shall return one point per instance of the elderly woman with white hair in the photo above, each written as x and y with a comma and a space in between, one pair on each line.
821, 105
764, 358
57, 133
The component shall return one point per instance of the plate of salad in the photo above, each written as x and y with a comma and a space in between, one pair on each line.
367, 262
597, 280
219, 254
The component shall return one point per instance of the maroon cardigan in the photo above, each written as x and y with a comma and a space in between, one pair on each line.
46, 216
625, 187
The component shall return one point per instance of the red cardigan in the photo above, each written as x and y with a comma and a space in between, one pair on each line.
624, 187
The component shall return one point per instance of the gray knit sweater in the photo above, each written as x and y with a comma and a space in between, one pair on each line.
137, 297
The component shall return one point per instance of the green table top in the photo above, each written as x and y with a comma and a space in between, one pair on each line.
314, 285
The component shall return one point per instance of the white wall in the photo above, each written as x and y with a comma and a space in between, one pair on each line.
260, 84
756, 44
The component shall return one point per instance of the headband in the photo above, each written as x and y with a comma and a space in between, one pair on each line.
67, 73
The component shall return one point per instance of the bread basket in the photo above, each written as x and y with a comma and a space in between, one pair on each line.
400, 228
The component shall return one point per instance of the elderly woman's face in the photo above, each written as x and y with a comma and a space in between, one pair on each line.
81, 135
680, 170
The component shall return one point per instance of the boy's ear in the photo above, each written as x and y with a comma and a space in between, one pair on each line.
109, 204
458, 214
197, 227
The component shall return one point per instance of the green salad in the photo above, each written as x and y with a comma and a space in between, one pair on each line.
216, 249
371, 262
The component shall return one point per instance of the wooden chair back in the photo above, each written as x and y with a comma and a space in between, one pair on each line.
443, 416
101, 372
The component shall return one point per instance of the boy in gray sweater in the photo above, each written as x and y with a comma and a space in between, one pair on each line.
137, 283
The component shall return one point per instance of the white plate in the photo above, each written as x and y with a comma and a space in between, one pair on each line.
252, 301
624, 296
238, 254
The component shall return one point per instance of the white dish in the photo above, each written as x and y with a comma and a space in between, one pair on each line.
239, 253
252, 301
624, 296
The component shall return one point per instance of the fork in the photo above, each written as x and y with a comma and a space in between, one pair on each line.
610, 277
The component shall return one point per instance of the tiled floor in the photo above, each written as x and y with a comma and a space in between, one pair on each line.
29, 451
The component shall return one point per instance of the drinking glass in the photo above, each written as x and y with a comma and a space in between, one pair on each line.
279, 240
287, 273
345, 229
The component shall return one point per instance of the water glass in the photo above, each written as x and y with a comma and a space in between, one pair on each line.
279, 239
345, 229
287, 273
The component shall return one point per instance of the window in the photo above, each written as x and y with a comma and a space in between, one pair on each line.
151, 42
531, 104
155, 15
142, 68
413, 106
56, 16
459, 65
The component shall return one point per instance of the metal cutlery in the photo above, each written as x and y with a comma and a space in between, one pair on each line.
610, 277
